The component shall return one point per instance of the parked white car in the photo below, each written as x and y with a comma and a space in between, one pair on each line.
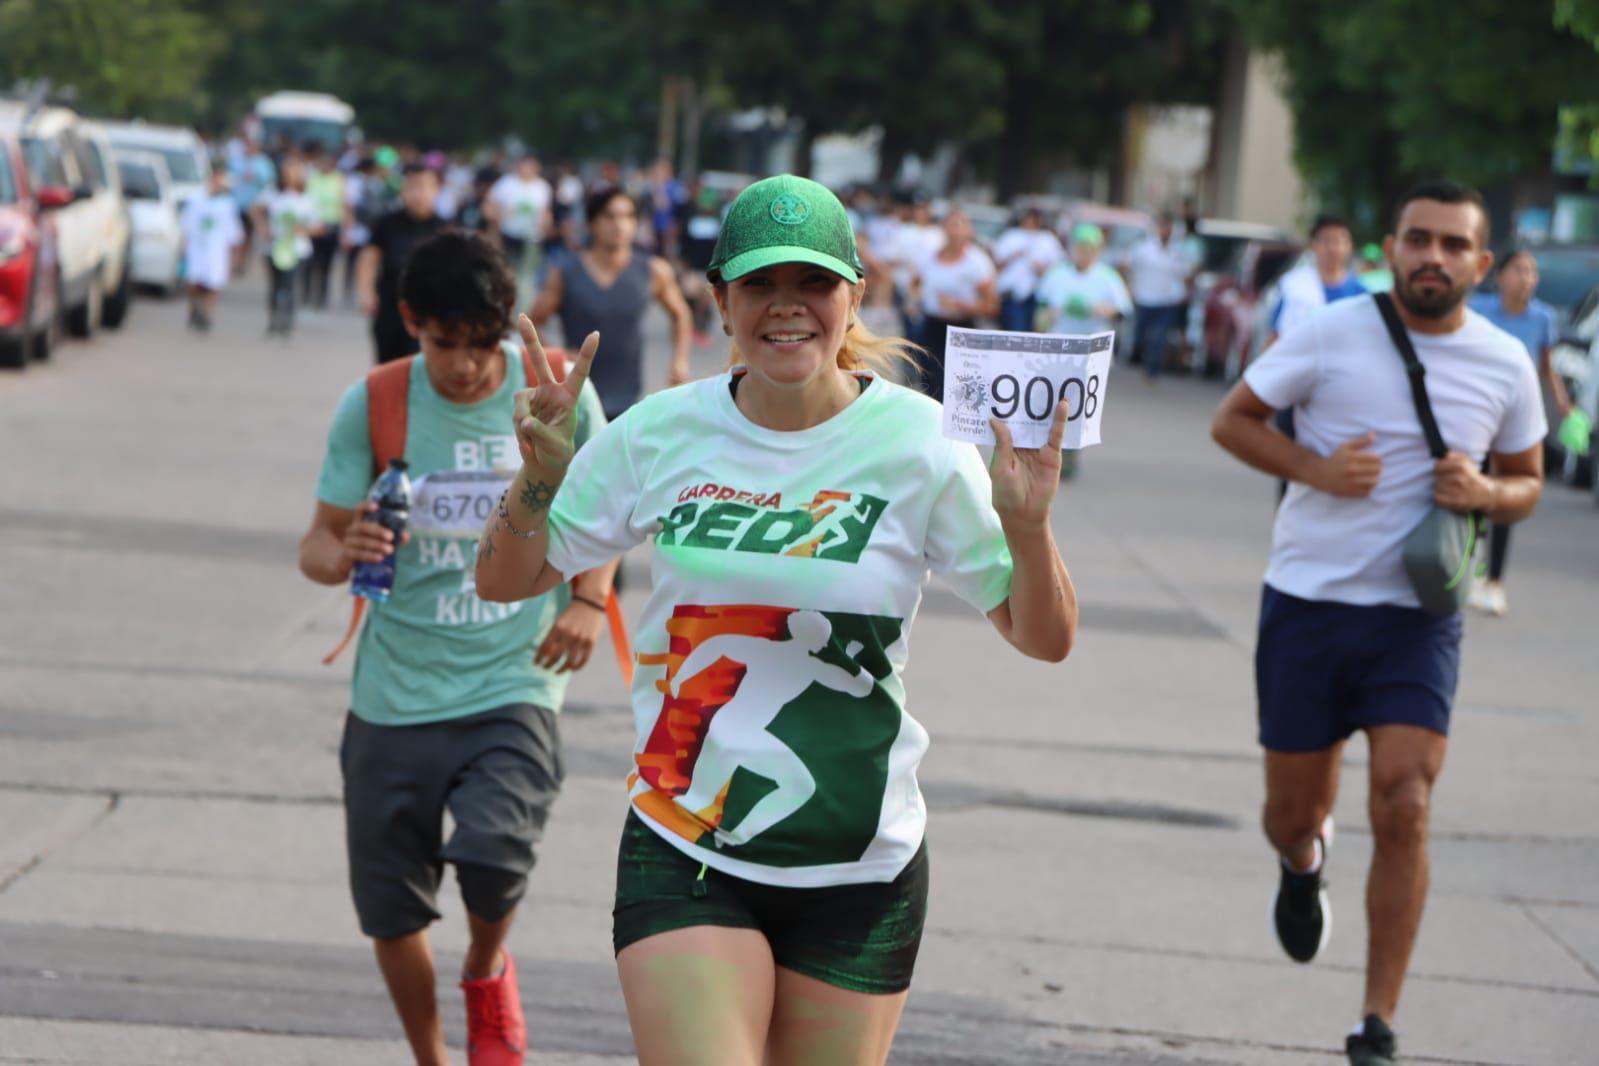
67, 154
153, 207
185, 153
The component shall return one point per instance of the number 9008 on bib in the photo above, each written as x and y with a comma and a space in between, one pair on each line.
1020, 378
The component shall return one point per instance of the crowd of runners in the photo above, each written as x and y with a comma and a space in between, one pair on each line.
772, 877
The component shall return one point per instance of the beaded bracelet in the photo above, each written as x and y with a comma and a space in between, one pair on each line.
505, 516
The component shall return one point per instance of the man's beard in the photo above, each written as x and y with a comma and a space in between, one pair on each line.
1438, 304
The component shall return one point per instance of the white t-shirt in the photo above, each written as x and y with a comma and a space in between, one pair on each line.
286, 212
211, 231
1342, 376
522, 205
1034, 251
1158, 273
787, 570
1071, 295
959, 280
908, 246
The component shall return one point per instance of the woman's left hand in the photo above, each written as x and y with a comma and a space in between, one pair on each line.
1026, 479
570, 641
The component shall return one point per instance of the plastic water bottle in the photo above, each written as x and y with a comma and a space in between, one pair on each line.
392, 493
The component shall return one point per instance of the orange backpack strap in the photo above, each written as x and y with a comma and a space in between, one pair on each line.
388, 394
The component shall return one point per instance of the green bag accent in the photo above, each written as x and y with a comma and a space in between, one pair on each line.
1576, 432
1438, 554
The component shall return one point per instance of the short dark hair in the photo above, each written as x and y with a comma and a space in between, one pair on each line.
600, 199
1511, 257
1326, 221
412, 169
1447, 192
459, 278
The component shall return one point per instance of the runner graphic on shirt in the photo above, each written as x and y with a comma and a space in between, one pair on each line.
774, 735
775, 672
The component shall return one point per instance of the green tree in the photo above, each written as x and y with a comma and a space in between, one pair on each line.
123, 57
1384, 92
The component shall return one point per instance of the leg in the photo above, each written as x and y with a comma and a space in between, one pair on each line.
700, 996
1300, 791
488, 937
407, 965
818, 1024
1405, 761
1498, 551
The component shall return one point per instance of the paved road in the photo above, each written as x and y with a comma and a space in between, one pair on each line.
171, 869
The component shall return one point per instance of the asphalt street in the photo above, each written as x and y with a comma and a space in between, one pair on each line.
172, 880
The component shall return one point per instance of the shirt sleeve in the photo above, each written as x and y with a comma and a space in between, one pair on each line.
591, 521
1286, 374
347, 465
1524, 424
965, 545
1120, 298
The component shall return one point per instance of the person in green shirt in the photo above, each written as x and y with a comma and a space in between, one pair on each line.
454, 700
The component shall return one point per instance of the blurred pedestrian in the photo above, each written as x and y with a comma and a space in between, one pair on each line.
211, 233
772, 883
1325, 279
1344, 644
518, 210
288, 218
606, 288
1372, 270
909, 244
1160, 270
1022, 254
324, 184
251, 175
382, 263
454, 703
954, 286
1513, 308
1084, 294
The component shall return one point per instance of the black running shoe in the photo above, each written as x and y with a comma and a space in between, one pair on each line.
1374, 1045
1302, 913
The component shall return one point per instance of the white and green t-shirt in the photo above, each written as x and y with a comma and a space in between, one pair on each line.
435, 651
772, 739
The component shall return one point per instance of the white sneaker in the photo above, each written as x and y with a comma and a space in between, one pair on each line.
1498, 606
1482, 597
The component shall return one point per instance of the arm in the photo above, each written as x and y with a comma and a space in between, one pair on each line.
367, 264
987, 299
1557, 384
571, 639
663, 285
512, 567
1243, 426
340, 538
1508, 495
1039, 618
548, 301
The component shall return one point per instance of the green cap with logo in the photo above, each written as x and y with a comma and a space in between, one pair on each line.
786, 219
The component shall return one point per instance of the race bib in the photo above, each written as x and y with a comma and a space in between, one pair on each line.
455, 503
1018, 378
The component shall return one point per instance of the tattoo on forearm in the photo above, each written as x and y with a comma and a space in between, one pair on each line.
537, 498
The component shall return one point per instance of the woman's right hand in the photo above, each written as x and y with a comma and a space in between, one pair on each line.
365, 541
546, 414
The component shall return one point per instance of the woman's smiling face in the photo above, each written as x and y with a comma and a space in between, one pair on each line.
789, 320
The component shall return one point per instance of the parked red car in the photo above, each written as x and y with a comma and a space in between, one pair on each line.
30, 293
1232, 306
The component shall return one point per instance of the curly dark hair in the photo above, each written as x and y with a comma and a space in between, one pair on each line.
456, 278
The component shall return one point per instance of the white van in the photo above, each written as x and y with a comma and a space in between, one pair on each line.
188, 162
301, 117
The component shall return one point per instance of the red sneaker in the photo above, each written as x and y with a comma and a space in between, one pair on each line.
496, 1032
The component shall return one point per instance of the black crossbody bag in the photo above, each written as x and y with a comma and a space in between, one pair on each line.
1439, 554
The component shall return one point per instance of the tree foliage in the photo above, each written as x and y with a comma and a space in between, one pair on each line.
1384, 92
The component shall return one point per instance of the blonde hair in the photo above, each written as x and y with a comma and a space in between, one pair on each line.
864, 350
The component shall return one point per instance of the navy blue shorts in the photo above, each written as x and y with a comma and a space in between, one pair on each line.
1324, 670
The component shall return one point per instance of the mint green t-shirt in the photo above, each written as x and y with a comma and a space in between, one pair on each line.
435, 651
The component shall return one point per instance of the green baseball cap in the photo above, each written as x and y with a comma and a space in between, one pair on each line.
1088, 233
785, 219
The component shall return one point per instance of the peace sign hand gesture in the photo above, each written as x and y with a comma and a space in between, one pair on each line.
546, 414
1026, 479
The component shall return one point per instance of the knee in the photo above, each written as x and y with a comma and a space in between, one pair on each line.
490, 892
1399, 814
1288, 822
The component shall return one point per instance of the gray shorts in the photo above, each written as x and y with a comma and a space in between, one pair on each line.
497, 772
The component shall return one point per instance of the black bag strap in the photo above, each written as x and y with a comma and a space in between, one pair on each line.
1416, 372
